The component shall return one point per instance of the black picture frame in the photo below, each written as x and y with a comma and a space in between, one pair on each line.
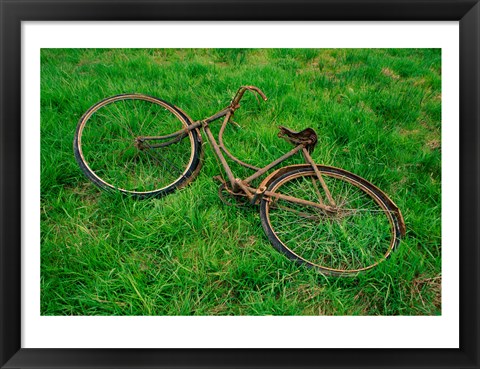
12, 355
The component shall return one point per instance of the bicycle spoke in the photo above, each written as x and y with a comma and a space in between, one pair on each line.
120, 118
112, 148
354, 236
172, 166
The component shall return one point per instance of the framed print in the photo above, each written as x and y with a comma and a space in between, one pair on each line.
351, 127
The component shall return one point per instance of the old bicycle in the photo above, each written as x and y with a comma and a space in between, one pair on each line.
317, 215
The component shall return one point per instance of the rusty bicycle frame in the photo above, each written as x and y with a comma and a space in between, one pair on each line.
243, 186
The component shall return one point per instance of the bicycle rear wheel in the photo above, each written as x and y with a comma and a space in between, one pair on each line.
361, 233
110, 148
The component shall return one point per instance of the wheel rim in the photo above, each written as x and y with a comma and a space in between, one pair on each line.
358, 237
110, 148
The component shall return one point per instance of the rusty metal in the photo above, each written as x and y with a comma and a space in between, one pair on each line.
222, 145
296, 200
240, 199
184, 131
219, 154
235, 101
258, 194
247, 190
242, 192
274, 163
228, 153
222, 113
304, 141
309, 159
294, 167
232, 195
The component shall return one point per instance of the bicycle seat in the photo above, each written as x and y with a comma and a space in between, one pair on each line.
307, 136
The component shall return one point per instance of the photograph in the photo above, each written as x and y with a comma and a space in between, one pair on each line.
241, 182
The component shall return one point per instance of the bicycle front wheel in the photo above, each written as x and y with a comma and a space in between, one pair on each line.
362, 232
113, 148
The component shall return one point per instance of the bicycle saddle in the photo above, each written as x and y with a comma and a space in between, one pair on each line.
307, 136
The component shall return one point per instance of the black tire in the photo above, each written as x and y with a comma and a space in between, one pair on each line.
107, 150
334, 244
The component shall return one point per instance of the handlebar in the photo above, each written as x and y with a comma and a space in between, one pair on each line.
235, 101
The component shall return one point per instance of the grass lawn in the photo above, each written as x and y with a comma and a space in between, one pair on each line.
377, 113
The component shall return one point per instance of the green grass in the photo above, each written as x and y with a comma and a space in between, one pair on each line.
377, 113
